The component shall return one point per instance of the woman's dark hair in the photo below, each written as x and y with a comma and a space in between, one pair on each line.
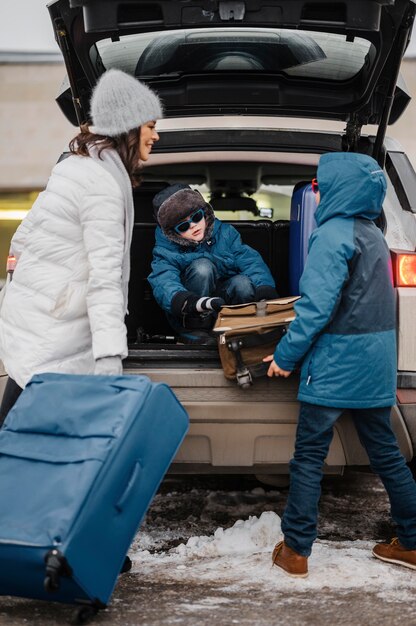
126, 145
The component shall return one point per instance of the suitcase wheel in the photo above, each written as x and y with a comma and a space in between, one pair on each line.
56, 566
84, 614
51, 584
127, 565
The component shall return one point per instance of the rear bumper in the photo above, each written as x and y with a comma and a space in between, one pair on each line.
235, 430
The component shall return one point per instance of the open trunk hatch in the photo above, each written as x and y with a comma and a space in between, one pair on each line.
328, 59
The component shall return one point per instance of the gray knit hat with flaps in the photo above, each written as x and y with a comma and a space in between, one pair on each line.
120, 103
176, 203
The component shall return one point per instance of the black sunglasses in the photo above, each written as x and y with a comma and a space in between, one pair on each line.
194, 218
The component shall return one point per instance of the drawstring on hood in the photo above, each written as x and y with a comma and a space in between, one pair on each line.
350, 184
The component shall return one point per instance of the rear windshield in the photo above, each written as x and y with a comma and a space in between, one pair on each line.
295, 53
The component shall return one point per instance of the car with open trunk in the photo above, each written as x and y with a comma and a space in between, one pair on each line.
248, 88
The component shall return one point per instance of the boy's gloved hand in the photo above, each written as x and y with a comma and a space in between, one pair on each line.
265, 292
209, 304
195, 304
188, 303
109, 366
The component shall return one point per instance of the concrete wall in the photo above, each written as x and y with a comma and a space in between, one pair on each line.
32, 128
34, 132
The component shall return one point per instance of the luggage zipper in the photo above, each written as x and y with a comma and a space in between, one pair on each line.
309, 378
222, 339
16, 542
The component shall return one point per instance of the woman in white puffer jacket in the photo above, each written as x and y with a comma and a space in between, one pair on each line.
64, 309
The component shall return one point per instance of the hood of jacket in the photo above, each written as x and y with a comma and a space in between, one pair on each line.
350, 185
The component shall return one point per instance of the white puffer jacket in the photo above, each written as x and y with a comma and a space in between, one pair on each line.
65, 306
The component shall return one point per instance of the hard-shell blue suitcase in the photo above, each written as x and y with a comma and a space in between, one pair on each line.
81, 458
302, 223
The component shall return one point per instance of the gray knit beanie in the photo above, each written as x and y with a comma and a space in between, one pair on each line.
120, 103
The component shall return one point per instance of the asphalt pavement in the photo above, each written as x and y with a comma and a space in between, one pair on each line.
354, 510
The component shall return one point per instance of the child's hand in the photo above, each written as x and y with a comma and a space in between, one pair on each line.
215, 304
274, 369
195, 304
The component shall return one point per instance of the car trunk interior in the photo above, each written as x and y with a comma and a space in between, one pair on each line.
239, 187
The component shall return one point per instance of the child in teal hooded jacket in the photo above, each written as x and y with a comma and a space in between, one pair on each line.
200, 263
344, 339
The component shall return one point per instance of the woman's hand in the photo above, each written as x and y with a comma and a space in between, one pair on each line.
109, 366
274, 369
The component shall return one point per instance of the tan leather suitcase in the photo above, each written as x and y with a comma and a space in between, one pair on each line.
249, 332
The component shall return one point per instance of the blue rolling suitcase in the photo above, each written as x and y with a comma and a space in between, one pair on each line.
302, 223
81, 458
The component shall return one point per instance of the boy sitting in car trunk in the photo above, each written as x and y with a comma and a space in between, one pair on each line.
200, 263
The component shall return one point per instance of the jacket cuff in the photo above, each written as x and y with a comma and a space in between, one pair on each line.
110, 342
284, 364
178, 301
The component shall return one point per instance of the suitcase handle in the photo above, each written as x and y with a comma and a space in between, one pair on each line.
255, 340
132, 483
246, 373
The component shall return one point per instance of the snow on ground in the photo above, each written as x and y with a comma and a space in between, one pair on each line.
240, 556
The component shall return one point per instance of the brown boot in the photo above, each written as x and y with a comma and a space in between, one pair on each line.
394, 552
291, 562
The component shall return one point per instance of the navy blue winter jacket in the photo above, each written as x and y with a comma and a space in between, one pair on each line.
224, 248
344, 331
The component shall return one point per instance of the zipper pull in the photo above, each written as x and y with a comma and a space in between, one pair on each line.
222, 339
308, 380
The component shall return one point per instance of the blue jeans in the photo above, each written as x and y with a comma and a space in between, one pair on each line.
201, 277
313, 437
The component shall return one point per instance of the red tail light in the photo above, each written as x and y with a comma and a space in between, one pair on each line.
404, 268
11, 263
